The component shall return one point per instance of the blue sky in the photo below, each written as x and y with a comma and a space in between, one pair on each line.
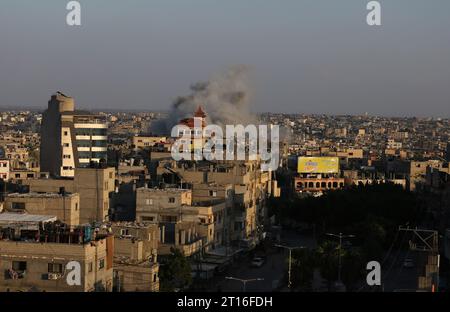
307, 56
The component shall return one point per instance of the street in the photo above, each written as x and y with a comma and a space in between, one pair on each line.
272, 271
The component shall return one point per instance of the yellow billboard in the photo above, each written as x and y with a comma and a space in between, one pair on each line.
318, 165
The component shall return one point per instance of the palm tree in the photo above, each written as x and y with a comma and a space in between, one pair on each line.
327, 259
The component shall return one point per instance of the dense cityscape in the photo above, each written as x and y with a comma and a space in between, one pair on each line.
224, 155
100, 188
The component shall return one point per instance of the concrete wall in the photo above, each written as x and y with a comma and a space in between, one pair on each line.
153, 202
93, 186
137, 278
65, 208
39, 255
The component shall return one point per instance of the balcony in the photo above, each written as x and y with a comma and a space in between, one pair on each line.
14, 275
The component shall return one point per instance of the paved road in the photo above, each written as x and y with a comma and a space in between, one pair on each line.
397, 277
272, 271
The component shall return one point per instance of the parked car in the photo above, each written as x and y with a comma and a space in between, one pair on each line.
258, 262
408, 263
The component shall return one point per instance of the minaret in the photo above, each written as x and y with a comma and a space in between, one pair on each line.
199, 113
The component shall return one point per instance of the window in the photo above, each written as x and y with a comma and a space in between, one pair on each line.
66, 156
19, 266
154, 278
17, 175
147, 219
149, 201
171, 200
66, 133
101, 132
84, 154
66, 145
169, 219
124, 232
99, 155
213, 193
18, 206
90, 267
101, 264
76, 206
55, 268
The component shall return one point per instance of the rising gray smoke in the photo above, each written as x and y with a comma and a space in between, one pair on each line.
225, 99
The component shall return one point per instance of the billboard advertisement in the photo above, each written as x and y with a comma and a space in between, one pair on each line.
318, 165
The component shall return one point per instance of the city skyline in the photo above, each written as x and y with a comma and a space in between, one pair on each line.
309, 57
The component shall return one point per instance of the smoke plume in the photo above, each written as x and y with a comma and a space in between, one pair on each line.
225, 99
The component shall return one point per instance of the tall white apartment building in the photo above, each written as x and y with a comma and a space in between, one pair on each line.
69, 138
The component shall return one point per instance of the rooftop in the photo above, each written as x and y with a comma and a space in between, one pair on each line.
23, 217
165, 190
39, 195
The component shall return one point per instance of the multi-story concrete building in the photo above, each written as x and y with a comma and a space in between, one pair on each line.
250, 187
65, 206
135, 256
4, 169
158, 205
94, 186
148, 233
183, 224
318, 183
141, 141
70, 139
38, 254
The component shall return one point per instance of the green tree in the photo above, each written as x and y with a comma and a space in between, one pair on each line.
303, 265
353, 268
175, 272
327, 259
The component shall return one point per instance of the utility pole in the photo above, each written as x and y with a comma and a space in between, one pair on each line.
290, 260
244, 281
340, 236
428, 242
